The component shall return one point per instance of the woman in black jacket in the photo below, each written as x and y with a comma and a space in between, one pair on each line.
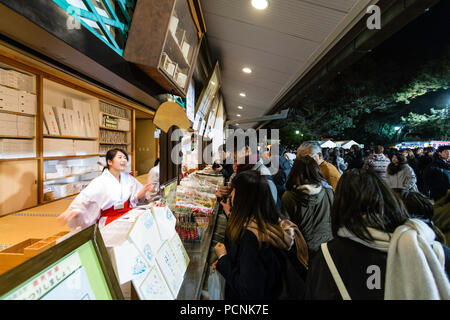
378, 252
256, 240
307, 202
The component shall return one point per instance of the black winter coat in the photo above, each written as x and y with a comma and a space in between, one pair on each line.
437, 177
352, 260
250, 272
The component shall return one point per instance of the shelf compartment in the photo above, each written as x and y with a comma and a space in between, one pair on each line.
70, 157
105, 128
72, 175
69, 137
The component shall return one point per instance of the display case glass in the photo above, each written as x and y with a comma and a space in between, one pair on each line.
164, 40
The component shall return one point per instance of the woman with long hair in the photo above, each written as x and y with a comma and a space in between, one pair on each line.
379, 251
257, 241
400, 174
307, 202
107, 197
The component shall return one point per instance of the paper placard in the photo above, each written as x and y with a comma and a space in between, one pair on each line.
168, 263
152, 286
129, 263
145, 236
166, 222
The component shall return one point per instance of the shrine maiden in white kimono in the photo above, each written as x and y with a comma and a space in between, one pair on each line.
105, 199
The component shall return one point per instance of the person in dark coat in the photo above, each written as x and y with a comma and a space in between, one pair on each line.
226, 169
375, 253
307, 202
280, 178
355, 158
437, 175
255, 240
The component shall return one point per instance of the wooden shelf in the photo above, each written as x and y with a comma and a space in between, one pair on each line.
111, 115
174, 51
69, 137
18, 113
71, 157
16, 137
17, 159
114, 129
122, 144
72, 175
72, 195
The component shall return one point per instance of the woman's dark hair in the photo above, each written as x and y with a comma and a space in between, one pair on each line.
419, 206
395, 168
110, 155
252, 200
156, 162
363, 200
304, 171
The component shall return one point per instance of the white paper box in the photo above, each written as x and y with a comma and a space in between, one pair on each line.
185, 48
173, 25
25, 126
27, 102
79, 126
83, 147
9, 100
89, 120
8, 124
71, 119
123, 124
58, 147
62, 120
181, 78
50, 120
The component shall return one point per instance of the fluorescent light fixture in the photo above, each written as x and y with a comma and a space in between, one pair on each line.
240, 107
247, 70
260, 4
242, 94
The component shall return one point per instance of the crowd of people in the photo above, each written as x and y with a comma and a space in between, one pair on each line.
337, 224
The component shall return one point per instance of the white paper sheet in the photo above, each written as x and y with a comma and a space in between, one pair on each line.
166, 222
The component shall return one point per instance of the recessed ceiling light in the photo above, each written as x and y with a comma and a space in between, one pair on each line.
240, 107
242, 94
260, 4
238, 115
247, 70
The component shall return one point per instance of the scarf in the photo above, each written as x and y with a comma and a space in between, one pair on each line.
415, 262
284, 239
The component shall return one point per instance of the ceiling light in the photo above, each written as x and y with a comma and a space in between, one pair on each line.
213, 83
238, 115
242, 94
240, 107
237, 124
260, 4
247, 70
